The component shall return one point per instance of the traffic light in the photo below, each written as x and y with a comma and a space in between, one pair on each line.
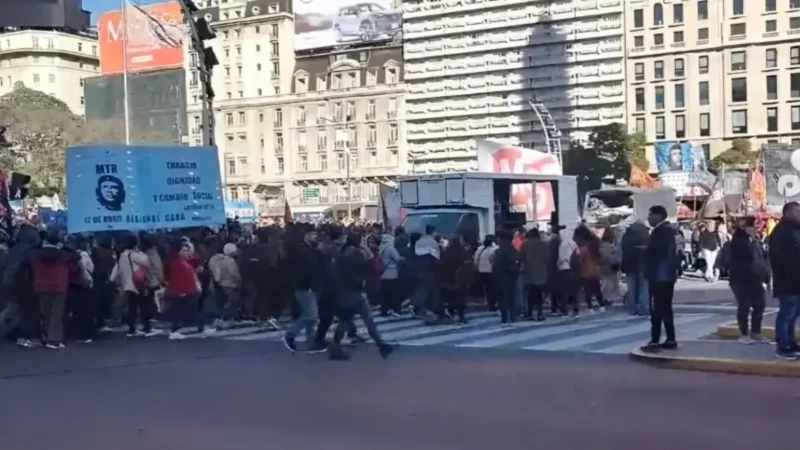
201, 33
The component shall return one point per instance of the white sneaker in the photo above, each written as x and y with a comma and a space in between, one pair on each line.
746, 340
177, 336
153, 332
272, 323
209, 331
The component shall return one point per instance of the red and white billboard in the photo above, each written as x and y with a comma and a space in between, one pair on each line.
155, 36
497, 157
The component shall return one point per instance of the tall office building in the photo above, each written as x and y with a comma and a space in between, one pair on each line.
713, 71
55, 62
472, 66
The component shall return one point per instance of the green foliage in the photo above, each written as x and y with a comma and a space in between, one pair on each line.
609, 157
739, 156
40, 128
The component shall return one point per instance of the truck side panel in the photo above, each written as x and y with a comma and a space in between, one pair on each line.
567, 208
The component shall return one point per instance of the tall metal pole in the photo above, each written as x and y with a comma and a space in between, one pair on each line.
123, 4
349, 189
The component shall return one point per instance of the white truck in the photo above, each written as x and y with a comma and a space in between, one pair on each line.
478, 204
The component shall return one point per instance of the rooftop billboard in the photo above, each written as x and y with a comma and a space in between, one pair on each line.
328, 23
155, 36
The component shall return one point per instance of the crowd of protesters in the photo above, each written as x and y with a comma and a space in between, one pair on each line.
303, 278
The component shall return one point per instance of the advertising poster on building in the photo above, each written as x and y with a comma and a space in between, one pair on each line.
143, 188
155, 38
674, 157
782, 176
327, 23
245, 212
497, 157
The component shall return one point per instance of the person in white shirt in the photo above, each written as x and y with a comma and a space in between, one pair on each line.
483, 264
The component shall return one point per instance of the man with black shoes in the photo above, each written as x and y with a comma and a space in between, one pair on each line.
661, 265
784, 255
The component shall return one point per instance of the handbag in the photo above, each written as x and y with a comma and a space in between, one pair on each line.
138, 275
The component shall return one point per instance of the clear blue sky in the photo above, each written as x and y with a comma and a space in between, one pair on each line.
97, 7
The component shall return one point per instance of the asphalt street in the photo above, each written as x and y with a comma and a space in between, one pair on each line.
222, 395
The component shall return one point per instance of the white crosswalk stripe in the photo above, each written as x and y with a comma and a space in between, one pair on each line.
609, 333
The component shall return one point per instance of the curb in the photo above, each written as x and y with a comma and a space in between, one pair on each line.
731, 331
673, 360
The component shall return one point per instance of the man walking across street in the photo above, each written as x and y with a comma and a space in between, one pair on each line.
306, 272
784, 255
749, 271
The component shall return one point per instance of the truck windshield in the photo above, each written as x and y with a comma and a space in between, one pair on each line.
446, 223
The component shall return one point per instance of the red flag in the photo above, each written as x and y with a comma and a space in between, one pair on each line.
287, 213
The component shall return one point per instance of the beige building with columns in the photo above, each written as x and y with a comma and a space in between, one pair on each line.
711, 71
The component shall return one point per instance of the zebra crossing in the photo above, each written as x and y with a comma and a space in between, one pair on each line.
609, 333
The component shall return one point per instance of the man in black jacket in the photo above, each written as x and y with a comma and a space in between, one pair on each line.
661, 264
784, 254
633, 244
306, 275
749, 272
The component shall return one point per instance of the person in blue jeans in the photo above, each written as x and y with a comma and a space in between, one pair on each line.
633, 245
306, 268
784, 255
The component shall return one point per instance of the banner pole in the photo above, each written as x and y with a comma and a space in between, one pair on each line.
123, 4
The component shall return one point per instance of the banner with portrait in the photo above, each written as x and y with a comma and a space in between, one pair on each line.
675, 157
131, 188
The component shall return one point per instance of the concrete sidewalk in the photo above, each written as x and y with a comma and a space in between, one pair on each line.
722, 356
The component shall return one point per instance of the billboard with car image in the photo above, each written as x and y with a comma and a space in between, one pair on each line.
330, 23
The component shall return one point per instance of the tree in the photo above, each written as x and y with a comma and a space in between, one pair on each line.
41, 127
739, 156
609, 157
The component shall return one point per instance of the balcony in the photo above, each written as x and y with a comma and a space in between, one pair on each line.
371, 144
391, 114
301, 149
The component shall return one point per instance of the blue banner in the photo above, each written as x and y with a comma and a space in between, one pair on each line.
245, 211
674, 157
142, 188
52, 218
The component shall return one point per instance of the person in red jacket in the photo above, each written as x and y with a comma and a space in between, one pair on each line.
182, 292
48, 267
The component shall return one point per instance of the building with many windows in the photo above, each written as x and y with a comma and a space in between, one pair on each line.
320, 127
711, 71
473, 66
55, 62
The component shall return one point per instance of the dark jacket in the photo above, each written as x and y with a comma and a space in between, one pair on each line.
49, 269
708, 240
27, 238
455, 271
352, 270
506, 264
746, 261
103, 260
535, 257
784, 255
662, 254
304, 265
634, 243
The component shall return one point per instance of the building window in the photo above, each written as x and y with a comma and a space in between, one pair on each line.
658, 14
677, 13
372, 136
738, 61
242, 118
276, 68
322, 139
739, 119
658, 39
661, 132
795, 84
229, 119
677, 37
705, 124
276, 49
231, 166
638, 18
279, 142
770, 5
794, 56
738, 7
772, 58
394, 134
772, 87
658, 70
638, 41
702, 34
680, 100
794, 4
640, 125
659, 90
639, 71
795, 117
323, 161
303, 163
703, 91
702, 64
279, 166
371, 110
739, 90
794, 23
680, 127
738, 29
772, 119
301, 115
702, 10
640, 104
391, 75
679, 70
770, 26
273, 31
278, 122
372, 77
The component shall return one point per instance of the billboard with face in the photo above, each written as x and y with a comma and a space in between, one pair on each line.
328, 23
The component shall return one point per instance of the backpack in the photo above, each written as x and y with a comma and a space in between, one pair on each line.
138, 275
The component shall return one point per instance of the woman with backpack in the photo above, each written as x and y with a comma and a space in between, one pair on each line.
130, 274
